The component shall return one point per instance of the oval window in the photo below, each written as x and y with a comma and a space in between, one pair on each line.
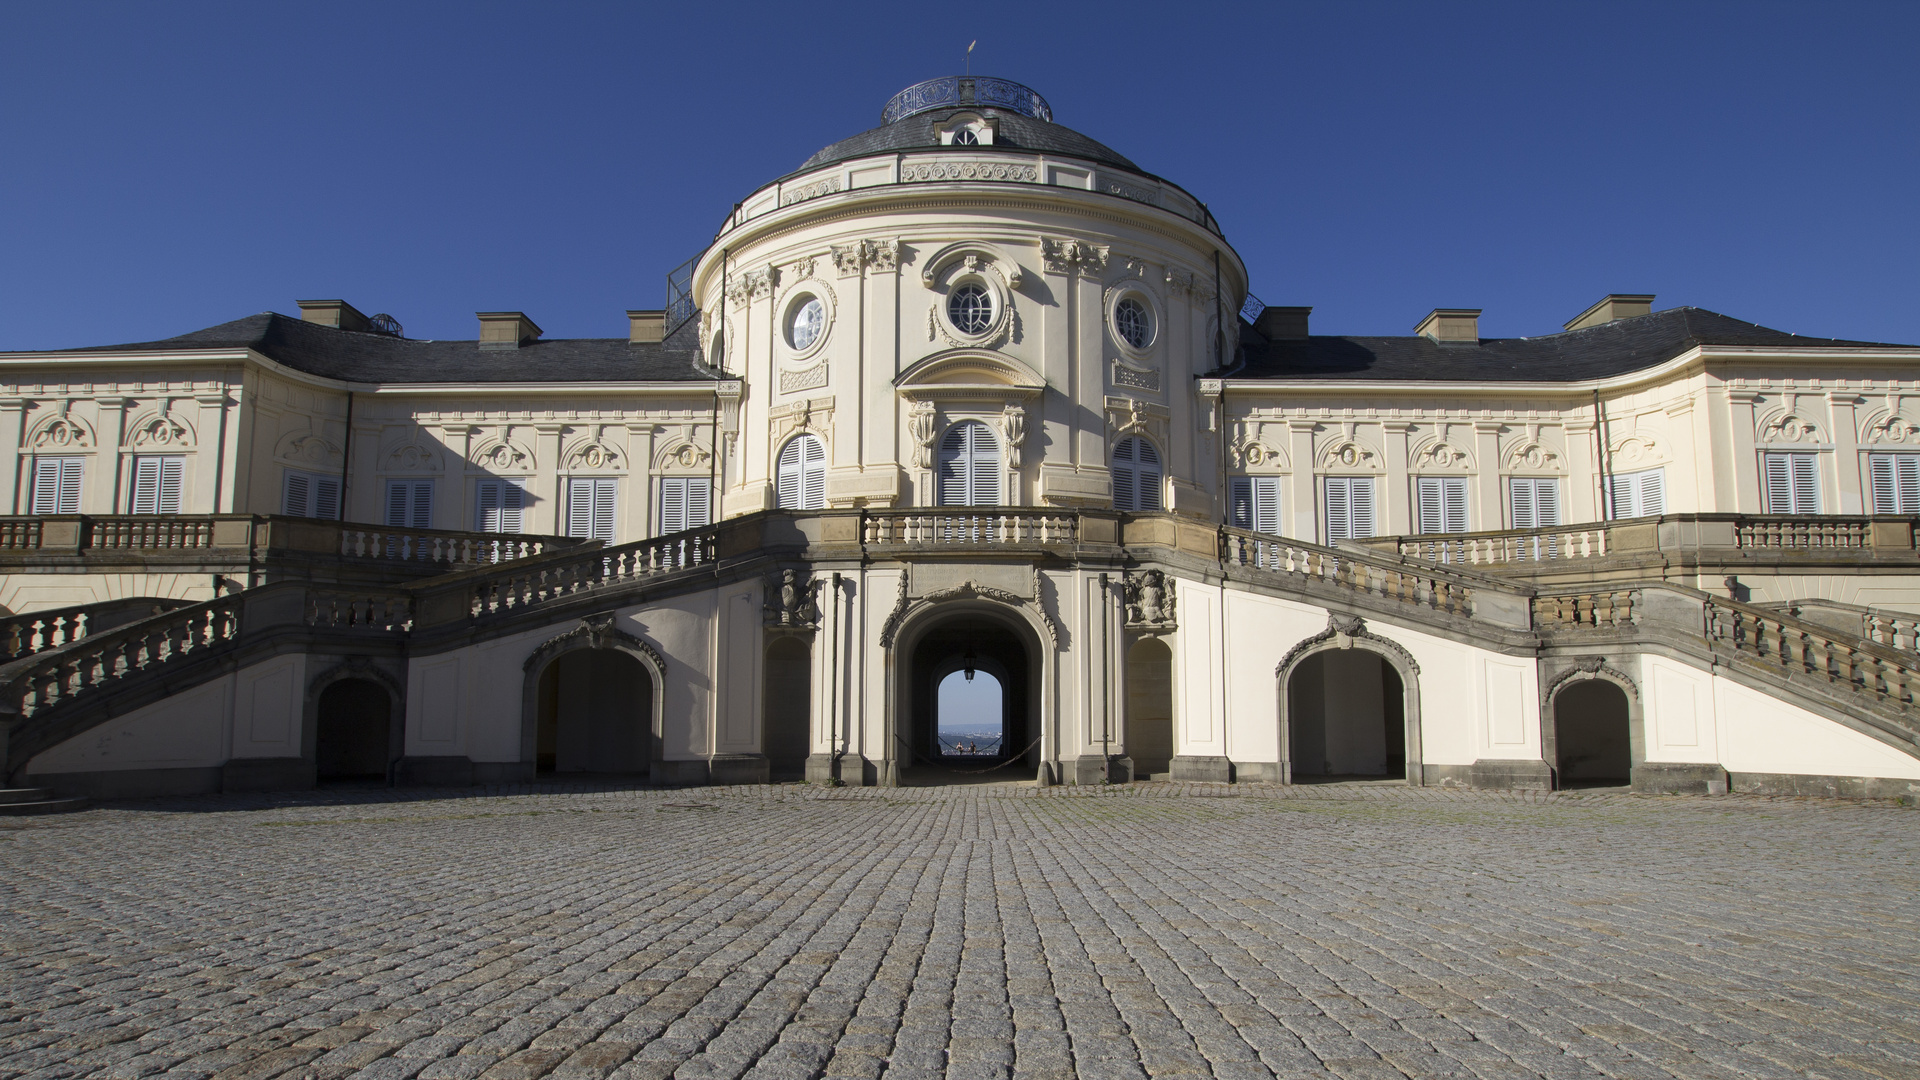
1132, 323
971, 309
809, 319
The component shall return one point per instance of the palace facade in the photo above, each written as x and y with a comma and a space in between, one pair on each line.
966, 392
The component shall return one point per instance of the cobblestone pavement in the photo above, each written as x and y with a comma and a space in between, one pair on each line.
793, 932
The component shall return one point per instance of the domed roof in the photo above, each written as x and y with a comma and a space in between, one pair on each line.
913, 118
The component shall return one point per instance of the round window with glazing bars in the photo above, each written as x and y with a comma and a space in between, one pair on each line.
809, 319
1132, 323
971, 309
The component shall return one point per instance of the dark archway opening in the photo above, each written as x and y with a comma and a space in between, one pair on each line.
1149, 731
353, 740
992, 650
596, 714
1347, 713
1593, 739
787, 708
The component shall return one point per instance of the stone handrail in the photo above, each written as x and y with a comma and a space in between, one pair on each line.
347, 610
1374, 575
267, 534
1877, 535
103, 659
38, 631
1597, 609
517, 589
1882, 626
1794, 647
964, 526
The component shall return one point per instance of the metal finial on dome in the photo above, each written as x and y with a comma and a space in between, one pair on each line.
960, 90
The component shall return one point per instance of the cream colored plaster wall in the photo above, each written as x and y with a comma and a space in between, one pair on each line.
106, 416
1474, 704
469, 702
268, 706
187, 730
39, 592
1694, 717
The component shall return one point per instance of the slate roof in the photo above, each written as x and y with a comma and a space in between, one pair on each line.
919, 132
1596, 352
358, 356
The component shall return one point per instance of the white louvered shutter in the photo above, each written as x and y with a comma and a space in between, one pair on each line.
146, 486
498, 505
326, 497
969, 471
1349, 507
1443, 504
1136, 475
590, 507
410, 504
1240, 502
1535, 502
296, 495
56, 485
1792, 483
684, 503
1266, 504
1895, 479
801, 475
1638, 494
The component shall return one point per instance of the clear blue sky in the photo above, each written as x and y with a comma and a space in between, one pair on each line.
171, 166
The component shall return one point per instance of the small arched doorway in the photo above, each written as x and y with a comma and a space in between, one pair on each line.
999, 656
1346, 713
353, 731
1592, 735
595, 714
787, 707
1149, 730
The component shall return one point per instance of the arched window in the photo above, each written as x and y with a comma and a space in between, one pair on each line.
802, 474
969, 466
1136, 475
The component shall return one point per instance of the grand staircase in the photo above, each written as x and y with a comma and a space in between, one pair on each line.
65, 680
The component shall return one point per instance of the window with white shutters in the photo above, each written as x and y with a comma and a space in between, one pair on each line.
590, 502
684, 503
969, 473
1895, 480
410, 504
1792, 483
499, 505
156, 485
1442, 504
1637, 494
56, 485
1136, 475
1533, 502
1349, 508
801, 476
313, 495
1255, 503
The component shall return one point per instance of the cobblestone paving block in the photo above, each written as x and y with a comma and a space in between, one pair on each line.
1368, 932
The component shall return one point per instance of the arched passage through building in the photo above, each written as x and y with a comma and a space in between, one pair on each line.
992, 736
1592, 735
353, 732
1347, 717
1149, 730
595, 714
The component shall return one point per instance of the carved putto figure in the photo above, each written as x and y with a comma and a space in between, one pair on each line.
1149, 602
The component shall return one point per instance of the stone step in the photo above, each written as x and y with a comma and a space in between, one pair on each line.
15, 802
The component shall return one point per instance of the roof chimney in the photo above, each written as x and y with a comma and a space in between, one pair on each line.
646, 326
1451, 326
1283, 323
506, 329
334, 313
1612, 307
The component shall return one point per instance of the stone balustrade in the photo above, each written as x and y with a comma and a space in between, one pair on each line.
1355, 571
1885, 676
262, 536
968, 527
38, 631
1772, 534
